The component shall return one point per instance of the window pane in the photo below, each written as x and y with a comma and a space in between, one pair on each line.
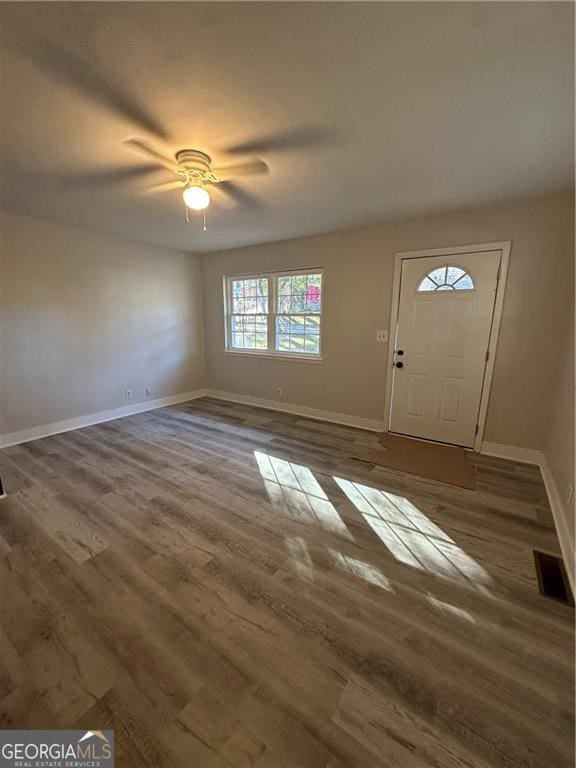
298, 334
284, 286
312, 344
249, 332
297, 343
299, 293
250, 296
464, 284
282, 324
284, 303
262, 341
453, 274
282, 343
427, 285
250, 305
298, 303
312, 324
296, 324
313, 293
438, 275
298, 285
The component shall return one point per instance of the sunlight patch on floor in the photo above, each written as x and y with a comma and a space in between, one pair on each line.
300, 555
411, 536
452, 609
293, 488
362, 570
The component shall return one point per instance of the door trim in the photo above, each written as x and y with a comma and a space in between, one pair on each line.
504, 246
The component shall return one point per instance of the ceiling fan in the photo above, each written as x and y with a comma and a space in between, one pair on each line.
192, 168
195, 175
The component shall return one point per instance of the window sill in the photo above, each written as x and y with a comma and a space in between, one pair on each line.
271, 356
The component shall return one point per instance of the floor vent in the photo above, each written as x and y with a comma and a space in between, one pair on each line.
552, 579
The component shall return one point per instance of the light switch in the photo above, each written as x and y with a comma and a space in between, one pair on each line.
381, 335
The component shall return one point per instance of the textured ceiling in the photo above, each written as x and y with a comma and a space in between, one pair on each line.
362, 111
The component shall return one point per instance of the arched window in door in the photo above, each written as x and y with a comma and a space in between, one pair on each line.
447, 279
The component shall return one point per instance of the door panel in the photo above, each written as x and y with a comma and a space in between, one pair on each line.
416, 394
443, 332
451, 399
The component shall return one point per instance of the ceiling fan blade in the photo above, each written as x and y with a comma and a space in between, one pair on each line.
225, 172
305, 137
239, 195
165, 186
143, 148
102, 178
220, 197
73, 71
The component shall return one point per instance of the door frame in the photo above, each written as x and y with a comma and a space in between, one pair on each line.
504, 246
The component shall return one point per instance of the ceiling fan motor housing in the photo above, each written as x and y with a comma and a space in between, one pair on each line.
194, 160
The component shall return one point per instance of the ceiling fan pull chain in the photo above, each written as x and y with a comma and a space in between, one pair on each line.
204, 227
187, 217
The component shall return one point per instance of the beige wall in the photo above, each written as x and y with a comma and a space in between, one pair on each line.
85, 316
358, 267
559, 434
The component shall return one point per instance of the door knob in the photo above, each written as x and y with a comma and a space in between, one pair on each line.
400, 365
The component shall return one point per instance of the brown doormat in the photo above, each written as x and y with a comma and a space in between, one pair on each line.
444, 463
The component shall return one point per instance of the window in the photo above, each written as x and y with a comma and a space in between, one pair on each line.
277, 313
447, 279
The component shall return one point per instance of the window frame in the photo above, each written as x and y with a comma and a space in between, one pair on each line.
271, 351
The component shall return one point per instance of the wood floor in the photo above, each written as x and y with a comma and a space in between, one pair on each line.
224, 586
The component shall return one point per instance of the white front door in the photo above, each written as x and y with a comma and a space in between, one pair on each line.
442, 335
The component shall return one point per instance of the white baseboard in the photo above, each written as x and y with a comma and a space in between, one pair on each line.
531, 456
45, 430
560, 521
373, 425
512, 452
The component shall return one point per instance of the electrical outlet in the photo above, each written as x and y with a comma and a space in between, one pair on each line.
148, 391
569, 492
128, 394
279, 392
381, 336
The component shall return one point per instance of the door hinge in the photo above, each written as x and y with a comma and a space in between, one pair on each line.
498, 273
476, 430
487, 355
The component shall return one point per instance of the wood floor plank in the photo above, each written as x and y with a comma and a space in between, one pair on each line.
226, 586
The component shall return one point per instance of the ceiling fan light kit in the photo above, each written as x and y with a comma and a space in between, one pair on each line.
194, 170
196, 197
